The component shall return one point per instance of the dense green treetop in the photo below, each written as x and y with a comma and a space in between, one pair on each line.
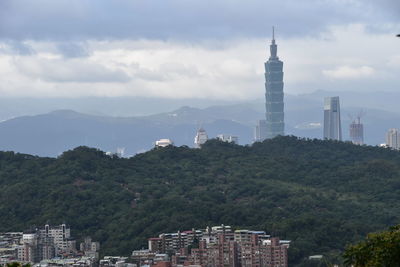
321, 195
378, 250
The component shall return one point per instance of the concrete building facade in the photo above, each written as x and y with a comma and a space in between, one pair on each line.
357, 132
200, 138
393, 138
218, 247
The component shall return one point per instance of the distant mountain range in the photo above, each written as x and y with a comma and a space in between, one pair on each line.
52, 133
142, 106
136, 123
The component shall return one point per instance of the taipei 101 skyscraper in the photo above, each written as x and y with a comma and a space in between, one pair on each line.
275, 124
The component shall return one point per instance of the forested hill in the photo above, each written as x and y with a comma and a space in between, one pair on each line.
319, 194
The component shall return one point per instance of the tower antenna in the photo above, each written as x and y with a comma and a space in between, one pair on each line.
273, 32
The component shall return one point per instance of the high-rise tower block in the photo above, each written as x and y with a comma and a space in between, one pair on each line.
274, 93
357, 131
332, 124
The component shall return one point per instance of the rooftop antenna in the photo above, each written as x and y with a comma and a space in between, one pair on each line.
273, 32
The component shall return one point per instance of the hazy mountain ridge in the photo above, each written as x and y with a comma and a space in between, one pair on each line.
142, 106
52, 133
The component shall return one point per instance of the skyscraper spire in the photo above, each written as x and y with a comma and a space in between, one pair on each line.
273, 34
273, 47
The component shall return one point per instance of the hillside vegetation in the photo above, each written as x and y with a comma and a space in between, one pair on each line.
321, 195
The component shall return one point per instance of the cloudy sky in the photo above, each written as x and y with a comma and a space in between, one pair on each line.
195, 48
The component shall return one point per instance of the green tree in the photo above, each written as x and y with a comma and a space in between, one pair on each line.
18, 264
378, 250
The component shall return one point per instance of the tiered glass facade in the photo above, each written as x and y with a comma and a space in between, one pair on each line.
332, 124
275, 124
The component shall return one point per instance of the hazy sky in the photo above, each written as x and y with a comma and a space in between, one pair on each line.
195, 48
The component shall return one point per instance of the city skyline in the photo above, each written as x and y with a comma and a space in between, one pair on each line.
147, 122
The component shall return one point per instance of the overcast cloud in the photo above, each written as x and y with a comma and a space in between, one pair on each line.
193, 48
183, 19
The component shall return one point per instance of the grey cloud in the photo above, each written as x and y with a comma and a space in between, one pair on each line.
392, 7
179, 70
70, 71
17, 48
176, 19
166, 72
73, 50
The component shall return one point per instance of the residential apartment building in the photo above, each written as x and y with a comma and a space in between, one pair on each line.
393, 138
219, 246
45, 244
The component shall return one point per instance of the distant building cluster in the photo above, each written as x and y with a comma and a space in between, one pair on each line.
200, 139
228, 138
218, 246
120, 153
115, 261
48, 246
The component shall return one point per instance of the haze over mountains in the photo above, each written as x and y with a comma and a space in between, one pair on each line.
110, 123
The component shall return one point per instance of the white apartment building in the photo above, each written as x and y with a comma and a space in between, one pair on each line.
228, 138
61, 236
393, 138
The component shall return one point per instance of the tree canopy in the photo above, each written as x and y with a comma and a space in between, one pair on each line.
378, 250
320, 194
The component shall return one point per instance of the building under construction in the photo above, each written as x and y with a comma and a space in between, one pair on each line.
357, 131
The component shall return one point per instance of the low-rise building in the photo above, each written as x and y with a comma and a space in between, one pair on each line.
164, 143
68, 262
90, 248
115, 261
228, 138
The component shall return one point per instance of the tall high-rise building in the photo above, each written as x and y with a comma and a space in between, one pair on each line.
274, 93
260, 131
357, 132
332, 124
200, 138
393, 138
